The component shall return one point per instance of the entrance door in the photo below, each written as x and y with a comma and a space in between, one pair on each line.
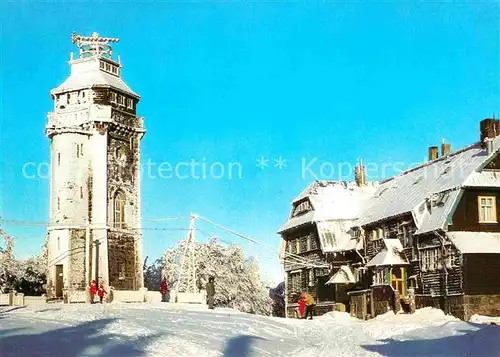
397, 275
59, 281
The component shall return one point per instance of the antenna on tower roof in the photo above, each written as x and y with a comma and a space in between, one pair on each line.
93, 45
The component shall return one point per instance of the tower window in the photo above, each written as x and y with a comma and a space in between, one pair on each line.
121, 270
119, 206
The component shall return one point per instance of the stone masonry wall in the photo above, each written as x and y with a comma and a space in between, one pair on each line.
121, 253
488, 305
77, 260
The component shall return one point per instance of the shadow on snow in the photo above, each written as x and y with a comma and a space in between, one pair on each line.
483, 341
240, 346
85, 339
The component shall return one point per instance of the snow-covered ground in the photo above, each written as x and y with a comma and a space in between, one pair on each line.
190, 330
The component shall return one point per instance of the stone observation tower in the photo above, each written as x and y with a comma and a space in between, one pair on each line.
95, 133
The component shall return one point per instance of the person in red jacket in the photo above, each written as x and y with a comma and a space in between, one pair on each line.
101, 292
163, 290
92, 290
302, 305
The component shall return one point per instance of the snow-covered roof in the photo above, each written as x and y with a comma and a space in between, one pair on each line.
475, 242
392, 254
484, 178
343, 276
410, 190
434, 212
331, 200
87, 74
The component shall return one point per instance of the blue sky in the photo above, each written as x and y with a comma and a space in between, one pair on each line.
230, 82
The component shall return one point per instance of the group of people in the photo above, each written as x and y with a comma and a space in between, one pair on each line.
100, 292
306, 306
210, 289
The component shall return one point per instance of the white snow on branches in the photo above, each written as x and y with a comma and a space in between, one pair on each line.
237, 279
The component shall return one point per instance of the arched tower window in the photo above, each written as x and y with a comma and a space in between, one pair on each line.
119, 206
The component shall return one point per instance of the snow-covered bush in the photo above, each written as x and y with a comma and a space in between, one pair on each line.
237, 279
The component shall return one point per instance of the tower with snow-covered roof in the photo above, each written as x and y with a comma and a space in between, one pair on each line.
95, 134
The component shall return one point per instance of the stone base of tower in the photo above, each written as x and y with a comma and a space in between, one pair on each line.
73, 265
125, 268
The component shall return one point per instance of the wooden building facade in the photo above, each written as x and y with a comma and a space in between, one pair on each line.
431, 235
316, 242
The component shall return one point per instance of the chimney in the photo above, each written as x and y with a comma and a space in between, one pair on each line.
489, 128
445, 148
359, 174
433, 153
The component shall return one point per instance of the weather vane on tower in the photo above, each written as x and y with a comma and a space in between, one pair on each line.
93, 45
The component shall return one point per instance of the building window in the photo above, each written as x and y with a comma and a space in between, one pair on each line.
101, 65
77, 150
58, 203
308, 243
311, 277
114, 69
58, 243
58, 158
129, 103
81, 192
379, 277
297, 245
112, 97
301, 208
430, 259
108, 67
290, 247
81, 149
121, 270
119, 206
295, 282
487, 209
121, 99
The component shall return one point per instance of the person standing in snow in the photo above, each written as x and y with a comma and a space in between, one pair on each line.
302, 305
309, 305
101, 292
92, 291
163, 290
210, 292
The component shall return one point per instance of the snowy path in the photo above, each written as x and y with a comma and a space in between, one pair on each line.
180, 330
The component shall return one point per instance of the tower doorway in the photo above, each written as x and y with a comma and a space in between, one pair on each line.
59, 281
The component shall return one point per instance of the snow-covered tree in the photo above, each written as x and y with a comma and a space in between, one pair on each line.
237, 279
25, 276
6, 261
153, 274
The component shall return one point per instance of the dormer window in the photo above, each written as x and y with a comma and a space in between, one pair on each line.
301, 208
